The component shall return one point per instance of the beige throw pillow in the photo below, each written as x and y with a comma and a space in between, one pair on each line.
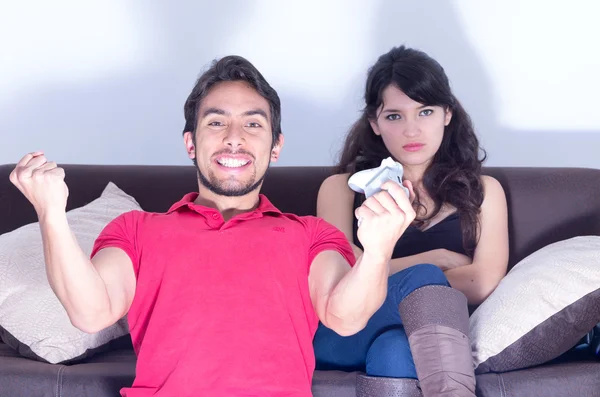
32, 319
541, 309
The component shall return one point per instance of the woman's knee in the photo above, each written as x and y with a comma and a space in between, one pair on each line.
389, 356
335, 352
417, 276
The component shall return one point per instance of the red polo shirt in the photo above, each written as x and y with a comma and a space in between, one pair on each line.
222, 308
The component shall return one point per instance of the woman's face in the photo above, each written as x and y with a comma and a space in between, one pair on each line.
411, 131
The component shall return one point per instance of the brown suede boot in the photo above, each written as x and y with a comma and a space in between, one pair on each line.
436, 320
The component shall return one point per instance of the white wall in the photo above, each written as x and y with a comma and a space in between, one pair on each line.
104, 81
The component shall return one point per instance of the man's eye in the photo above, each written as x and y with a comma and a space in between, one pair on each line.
426, 112
394, 116
254, 125
215, 124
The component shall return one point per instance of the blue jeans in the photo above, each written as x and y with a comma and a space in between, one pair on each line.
381, 348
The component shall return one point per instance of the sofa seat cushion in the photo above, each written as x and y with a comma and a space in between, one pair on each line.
104, 374
334, 384
554, 380
101, 375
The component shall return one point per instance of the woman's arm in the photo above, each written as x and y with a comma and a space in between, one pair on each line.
441, 257
490, 260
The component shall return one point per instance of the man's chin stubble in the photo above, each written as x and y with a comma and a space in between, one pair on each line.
218, 189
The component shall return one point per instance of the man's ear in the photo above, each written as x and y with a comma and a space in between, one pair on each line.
190, 146
277, 148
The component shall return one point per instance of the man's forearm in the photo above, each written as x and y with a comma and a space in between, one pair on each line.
71, 274
358, 295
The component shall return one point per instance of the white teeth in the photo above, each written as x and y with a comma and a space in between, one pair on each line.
233, 163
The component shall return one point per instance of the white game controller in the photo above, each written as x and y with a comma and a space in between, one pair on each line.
369, 181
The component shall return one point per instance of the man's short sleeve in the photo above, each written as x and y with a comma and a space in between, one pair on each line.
121, 232
327, 237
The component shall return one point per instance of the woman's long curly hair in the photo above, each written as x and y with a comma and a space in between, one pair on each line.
454, 175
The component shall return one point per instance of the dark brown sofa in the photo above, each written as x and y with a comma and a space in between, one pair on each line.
545, 205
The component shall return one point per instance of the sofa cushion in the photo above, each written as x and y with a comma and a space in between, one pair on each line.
541, 309
106, 373
576, 378
32, 319
103, 374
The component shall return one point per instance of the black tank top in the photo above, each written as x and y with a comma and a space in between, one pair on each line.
445, 234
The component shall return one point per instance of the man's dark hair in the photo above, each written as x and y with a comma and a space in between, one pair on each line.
231, 68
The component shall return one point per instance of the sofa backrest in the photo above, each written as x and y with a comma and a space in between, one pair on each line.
545, 204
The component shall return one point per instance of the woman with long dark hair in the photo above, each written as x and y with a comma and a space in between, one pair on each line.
454, 254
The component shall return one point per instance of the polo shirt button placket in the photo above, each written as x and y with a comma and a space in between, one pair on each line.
216, 222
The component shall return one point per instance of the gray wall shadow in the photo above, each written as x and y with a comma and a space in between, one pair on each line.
435, 28
314, 133
96, 117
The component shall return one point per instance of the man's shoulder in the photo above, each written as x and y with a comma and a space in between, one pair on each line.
136, 218
135, 214
307, 220
310, 223
303, 219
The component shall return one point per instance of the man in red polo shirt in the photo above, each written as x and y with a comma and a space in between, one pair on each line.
223, 292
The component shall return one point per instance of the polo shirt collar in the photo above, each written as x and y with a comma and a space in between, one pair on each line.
264, 205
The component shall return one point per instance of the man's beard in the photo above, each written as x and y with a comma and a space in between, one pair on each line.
220, 188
